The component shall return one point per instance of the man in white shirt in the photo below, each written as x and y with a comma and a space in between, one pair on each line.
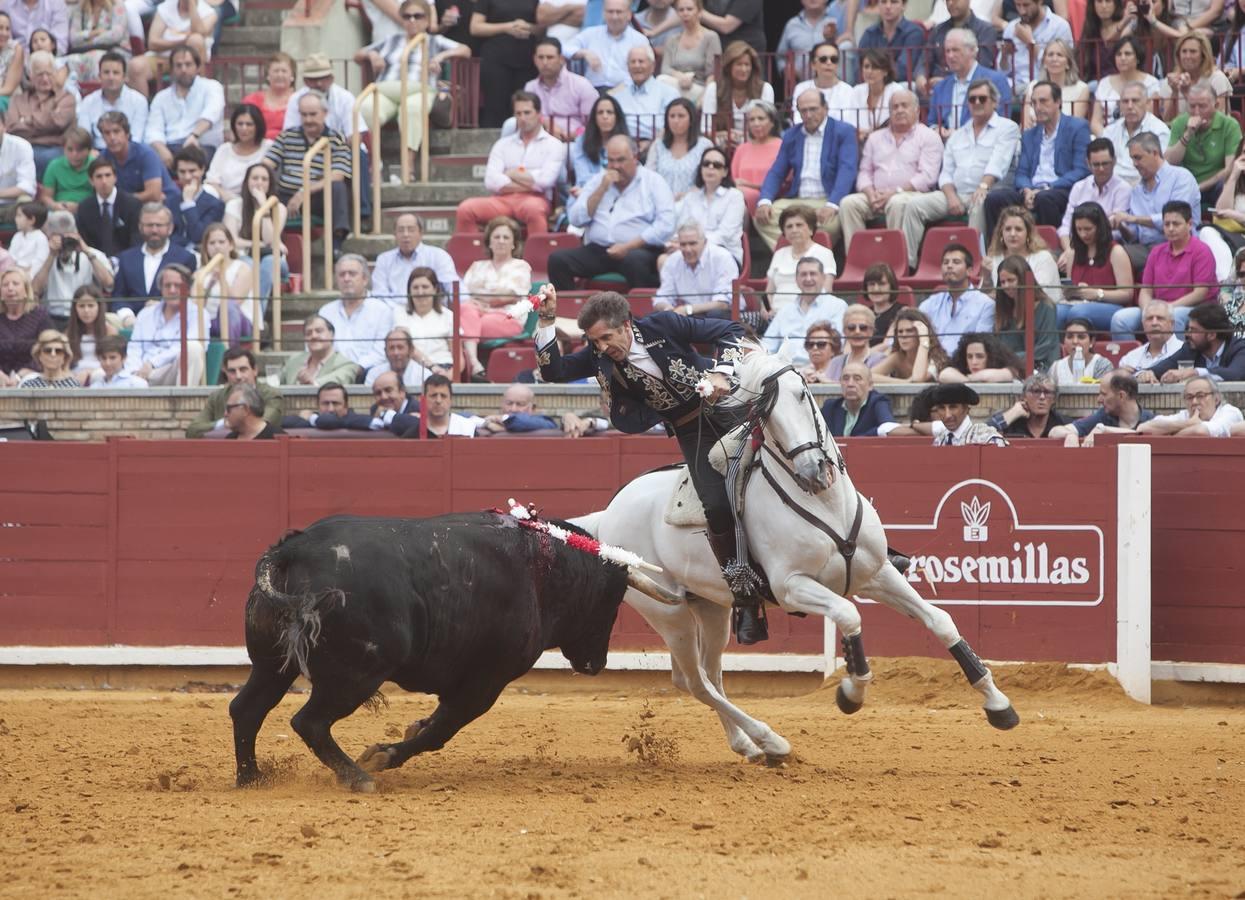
1161, 341
187, 113
398, 350
960, 309
522, 170
17, 173
697, 280
155, 348
1135, 117
318, 77
438, 407
642, 97
793, 321
604, 47
1206, 413
978, 155
360, 322
1028, 36
394, 267
70, 264
113, 94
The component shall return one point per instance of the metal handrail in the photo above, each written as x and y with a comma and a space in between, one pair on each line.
199, 298
325, 146
269, 208
356, 144
404, 126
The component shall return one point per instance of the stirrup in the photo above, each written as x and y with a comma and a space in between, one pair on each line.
749, 625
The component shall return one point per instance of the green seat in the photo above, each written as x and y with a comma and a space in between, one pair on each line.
215, 359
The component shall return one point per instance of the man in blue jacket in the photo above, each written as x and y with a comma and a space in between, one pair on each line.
861, 411
834, 143
948, 104
1052, 158
139, 268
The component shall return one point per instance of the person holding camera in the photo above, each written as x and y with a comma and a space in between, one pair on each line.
70, 264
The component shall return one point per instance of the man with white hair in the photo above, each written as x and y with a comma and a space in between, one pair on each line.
978, 155
899, 163
642, 97
1204, 141
155, 347
1161, 341
860, 411
948, 105
285, 159
696, 281
1135, 118
360, 322
604, 48
1206, 413
932, 67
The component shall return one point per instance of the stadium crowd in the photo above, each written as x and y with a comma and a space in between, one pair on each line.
1083, 159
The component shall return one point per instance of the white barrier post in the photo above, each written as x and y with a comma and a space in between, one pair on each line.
1132, 570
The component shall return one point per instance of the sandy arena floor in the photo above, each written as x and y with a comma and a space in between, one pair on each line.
130, 794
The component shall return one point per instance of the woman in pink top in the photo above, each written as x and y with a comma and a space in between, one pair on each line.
489, 286
274, 99
754, 157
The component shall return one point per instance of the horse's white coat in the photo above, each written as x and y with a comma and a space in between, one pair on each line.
804, 567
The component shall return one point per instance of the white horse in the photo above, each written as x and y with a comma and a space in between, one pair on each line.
818, 540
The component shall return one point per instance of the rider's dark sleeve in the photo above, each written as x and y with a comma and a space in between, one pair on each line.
723, 334
556, 368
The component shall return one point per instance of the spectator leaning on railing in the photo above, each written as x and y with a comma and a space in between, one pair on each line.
1210, 351
1206, 413
1119, 411
1159, 344
860, 411
1033, 415
240, 370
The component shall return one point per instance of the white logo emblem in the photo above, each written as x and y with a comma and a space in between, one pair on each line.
975, 515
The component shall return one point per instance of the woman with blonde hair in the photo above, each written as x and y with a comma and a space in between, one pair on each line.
1194, 64
915, 356
1016, 235
21, 321
740, 81
54, 358
1059, 67
687, 58
489, 286
753, 159
272, 100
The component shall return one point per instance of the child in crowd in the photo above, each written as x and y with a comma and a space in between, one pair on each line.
29, 247
1078, 335
111, 353
65, 180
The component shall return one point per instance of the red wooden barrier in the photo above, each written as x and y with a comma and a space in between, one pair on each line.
154, 543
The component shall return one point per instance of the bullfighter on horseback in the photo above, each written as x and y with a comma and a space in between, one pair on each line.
649, 371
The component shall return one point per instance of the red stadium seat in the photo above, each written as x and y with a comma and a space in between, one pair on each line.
536, 250
641, 301
465, 249
571, 302
505, 363
928, 274
1114, 350
869, 247
1051, 236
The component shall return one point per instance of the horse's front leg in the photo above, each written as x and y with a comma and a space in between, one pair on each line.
803, 593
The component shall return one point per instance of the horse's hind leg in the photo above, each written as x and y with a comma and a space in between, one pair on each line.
892, 589
803, 593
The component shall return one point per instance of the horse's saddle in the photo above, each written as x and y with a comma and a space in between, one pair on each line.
684, 507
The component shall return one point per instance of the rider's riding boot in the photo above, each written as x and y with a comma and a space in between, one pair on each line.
747, 611
899, 560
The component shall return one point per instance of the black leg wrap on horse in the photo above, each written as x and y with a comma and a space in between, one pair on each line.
899, 560
854, 656
971, 664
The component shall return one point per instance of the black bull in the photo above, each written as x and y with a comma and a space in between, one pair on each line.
458, 606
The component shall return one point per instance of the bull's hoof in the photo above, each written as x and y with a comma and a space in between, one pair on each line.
375, 758
250, 779
846, 704
413, 730
363, 786
1003, 719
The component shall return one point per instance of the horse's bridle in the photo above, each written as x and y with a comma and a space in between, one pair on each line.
764, 405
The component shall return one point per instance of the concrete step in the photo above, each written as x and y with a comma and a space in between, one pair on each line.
268, 36
369, 245
458, 141
252, 18
443, 193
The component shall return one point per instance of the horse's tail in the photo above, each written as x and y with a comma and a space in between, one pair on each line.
295, 620
590, 523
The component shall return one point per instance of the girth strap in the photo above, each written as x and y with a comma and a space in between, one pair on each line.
847, 546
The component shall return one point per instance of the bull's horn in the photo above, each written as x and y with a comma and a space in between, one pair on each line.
648, 586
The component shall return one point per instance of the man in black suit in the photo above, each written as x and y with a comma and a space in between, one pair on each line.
333, 412
1211, 350
650, 369
108, 219
869, 411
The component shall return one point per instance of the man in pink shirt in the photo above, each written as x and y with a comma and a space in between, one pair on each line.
898, 164
565, 98
1180, 271
522, 169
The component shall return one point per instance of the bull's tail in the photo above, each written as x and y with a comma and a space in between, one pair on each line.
297, 617
590, 523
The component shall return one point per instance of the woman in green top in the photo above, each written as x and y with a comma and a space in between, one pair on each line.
1015, 284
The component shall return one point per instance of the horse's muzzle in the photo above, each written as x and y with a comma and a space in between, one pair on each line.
812, 474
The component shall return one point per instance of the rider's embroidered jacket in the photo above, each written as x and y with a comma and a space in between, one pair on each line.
638, 401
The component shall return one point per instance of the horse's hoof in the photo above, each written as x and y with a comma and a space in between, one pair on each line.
846, 704
755, 759
374, 759
775, 761
1003, 719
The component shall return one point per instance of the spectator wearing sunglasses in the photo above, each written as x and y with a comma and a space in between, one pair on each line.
55, 360
822, 344
793, 320
824, 66
858, 325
